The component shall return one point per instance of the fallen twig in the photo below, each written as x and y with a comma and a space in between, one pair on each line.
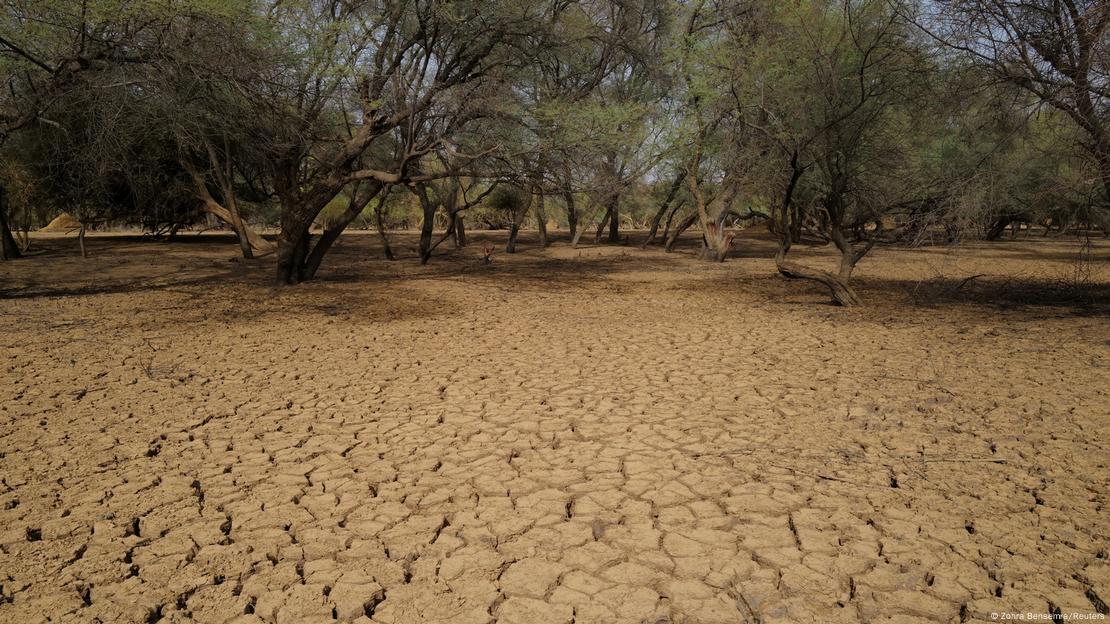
965, 282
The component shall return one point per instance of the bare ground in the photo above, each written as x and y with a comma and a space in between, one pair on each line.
596, 435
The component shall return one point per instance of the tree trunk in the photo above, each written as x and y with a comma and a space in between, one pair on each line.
842, 293
604, 222
427, 226
541, 220
577, 236
615, 219
240, 228
997, 228
518, 220
380, 220
360, 197
572, 214
81, 240
453, 220
9, 250
785, 217
670, 219
682, 226
228, 211
718, 241
658, 218
291, 254
23, 239
254, 239
459, 232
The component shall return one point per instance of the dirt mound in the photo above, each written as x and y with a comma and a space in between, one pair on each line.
62, 223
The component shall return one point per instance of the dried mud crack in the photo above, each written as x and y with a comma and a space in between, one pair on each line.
480, 448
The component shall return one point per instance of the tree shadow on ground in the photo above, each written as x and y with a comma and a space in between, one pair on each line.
164, 281
350, 274
1032, 297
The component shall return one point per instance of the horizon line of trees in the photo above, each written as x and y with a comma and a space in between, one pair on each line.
846, 121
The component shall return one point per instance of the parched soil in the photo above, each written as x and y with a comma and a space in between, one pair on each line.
594, 435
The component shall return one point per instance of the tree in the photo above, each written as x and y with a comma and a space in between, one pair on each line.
379, 86
1058, 50
831, 97
54, 50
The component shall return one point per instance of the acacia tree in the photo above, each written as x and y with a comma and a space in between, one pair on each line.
630, 99
1058, 50
370, 68
45, 48
205, 105
52, 51
831, 96
584, 103
704, 111
94, 162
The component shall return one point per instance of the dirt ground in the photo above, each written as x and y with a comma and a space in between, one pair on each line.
594, 435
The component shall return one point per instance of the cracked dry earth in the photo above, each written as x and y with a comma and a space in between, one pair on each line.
604, 435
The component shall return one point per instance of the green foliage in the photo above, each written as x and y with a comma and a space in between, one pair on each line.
107, 110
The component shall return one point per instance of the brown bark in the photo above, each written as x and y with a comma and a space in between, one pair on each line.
427, 225
604, 222
581, 230
518, 220
258, 245
9, 250
453, 220
658, 218
572, 213
81, 240
291, 255
670, 219
842, 293
850, 255
360, 196
380, 221
294, 241
682, 226
718, 241
541, 220
460, 231
249, 240
226, 181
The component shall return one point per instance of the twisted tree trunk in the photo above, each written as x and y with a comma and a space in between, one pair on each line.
249, 240
604, 222
842, 293
380, 221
